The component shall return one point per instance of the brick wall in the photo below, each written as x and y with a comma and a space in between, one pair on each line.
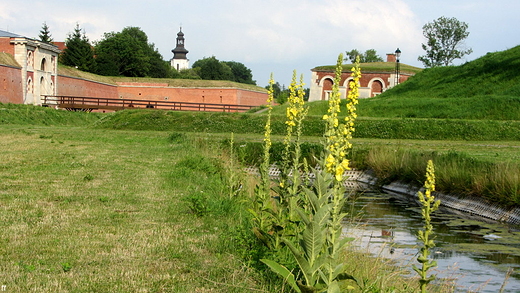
5, 46
161, 92
77, 87
11, 87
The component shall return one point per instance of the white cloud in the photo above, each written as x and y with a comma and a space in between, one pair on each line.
271, 35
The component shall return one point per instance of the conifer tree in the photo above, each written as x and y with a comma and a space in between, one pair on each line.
78, 52
45, 34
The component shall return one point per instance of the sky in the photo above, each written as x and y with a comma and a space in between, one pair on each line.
274, 36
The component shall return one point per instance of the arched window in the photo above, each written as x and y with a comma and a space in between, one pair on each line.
43, 65
42, 87
29, 58
29, 85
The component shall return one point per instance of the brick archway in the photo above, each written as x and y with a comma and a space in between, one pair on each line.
327, 88
376, 88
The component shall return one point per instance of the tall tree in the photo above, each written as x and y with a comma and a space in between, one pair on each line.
240, 72
78, 52
128, 53
444, 41
210, 68
370, 55
45, 34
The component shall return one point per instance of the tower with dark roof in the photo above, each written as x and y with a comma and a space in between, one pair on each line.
179, 60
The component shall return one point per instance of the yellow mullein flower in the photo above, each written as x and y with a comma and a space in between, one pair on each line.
338, 135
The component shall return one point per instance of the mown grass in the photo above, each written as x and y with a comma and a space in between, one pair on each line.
110, 211
35, 115
95, 210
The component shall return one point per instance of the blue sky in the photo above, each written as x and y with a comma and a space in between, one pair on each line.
276, 36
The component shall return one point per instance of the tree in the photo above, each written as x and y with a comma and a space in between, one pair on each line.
128, 53
445, 38
78, 52
370, 55
240, 72
45, 35
210, 68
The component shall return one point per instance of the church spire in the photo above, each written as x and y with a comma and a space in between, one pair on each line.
179, 60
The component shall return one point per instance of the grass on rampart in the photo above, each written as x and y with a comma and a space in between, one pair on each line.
172, 82
372, 67
487, 88
8, 59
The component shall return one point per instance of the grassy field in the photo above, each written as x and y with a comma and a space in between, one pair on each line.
110, 211
96, 210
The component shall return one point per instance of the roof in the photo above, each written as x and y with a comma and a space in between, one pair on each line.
4, 34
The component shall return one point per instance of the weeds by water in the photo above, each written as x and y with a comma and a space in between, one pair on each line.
458, 173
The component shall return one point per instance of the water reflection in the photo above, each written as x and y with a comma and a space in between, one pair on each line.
477, 253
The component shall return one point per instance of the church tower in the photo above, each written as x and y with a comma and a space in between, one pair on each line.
179, 60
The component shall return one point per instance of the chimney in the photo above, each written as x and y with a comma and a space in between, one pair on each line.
390, 57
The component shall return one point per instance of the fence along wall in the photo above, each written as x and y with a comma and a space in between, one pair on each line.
162, 92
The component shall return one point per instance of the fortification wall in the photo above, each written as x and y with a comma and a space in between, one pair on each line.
161, 92
78, 87
11, 87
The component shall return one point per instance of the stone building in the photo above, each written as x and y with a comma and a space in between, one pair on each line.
179, 60
38, 66
375, 78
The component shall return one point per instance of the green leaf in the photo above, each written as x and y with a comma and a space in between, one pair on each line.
333, 287
302, 262
313, 239
282, 271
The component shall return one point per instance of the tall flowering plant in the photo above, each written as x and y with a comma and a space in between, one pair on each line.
262, 208
316, 248
338, 135
429, 205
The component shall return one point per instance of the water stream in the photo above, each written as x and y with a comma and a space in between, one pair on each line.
478, 254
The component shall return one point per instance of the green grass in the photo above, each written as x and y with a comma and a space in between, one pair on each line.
173, 82
110, 211
381, 128
96, 210
8, 59
36, 115
373, 67
487, 88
